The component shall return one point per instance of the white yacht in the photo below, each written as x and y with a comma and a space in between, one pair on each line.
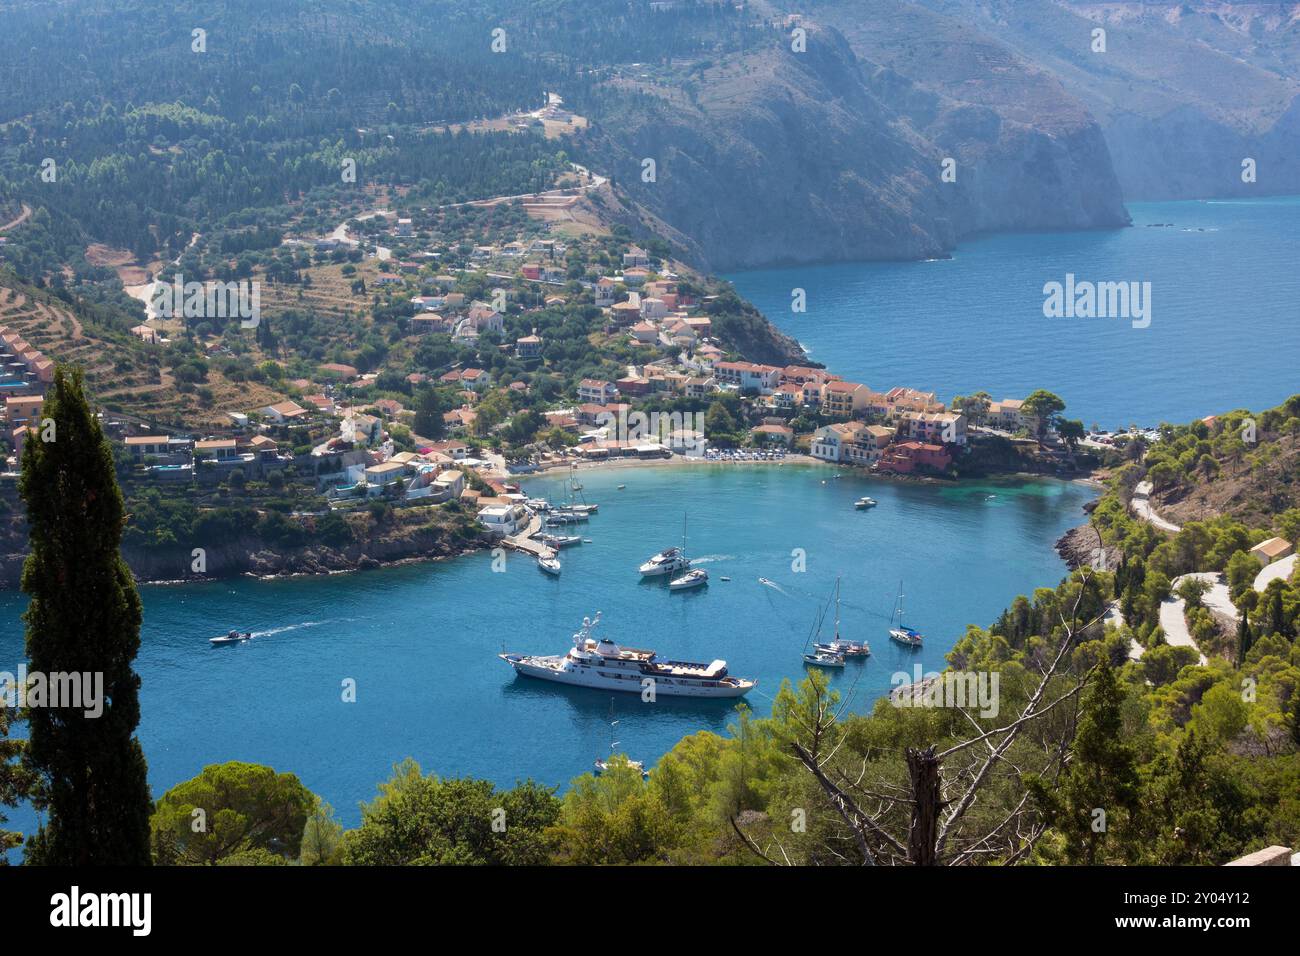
669, 561
550, 565
695, 578
604, 665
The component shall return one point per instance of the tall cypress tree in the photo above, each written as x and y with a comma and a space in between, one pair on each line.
1245, 638
84, 617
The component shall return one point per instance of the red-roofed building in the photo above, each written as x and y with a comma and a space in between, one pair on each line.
907, 457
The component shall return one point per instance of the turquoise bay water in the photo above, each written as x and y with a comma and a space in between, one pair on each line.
421, 641
1224, 333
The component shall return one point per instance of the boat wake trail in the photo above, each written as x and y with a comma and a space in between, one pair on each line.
713, 558
289, 627
774, 586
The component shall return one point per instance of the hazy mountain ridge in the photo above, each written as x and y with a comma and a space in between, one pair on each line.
1183, 92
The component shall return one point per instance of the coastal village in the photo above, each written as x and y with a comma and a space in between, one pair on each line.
336, 433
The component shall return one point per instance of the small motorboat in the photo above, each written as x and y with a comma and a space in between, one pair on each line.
234, 637
694, 578
823, 659
725, 578
621, 487
864, 502
559, 540
549, 565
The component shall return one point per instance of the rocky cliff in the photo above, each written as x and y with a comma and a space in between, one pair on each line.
776, 156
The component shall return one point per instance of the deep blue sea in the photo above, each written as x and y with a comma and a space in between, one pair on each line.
1224, 332
421, 641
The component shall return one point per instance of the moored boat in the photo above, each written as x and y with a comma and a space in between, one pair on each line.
558, 540
840, 645
824, 659
604, 665
695, 578
900, 632
549, 565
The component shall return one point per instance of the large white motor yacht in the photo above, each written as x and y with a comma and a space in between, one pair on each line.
600, 663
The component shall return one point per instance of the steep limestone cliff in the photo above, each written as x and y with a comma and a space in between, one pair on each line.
776, 156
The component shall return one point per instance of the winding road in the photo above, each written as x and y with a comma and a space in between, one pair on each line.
1141, 505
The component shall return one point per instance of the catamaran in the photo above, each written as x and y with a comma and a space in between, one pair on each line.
902, 633
602, 664
839, 645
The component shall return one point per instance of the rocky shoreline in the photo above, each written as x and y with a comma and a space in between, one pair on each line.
253, 557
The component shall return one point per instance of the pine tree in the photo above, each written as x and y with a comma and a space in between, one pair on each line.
84, 617
1099, 791
15, 783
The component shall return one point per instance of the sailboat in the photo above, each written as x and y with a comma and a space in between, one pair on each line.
819, 657
901, 632
581, 506
602, 765
839, 645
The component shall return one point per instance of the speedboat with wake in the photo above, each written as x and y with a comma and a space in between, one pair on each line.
234, 637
